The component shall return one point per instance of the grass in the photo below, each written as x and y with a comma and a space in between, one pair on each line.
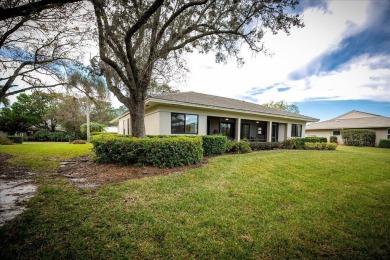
274, 204
43, 157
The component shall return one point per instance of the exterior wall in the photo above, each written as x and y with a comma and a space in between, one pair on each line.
158, 121
152, 126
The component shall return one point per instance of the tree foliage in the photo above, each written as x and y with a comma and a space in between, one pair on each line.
141, 39
283, 105
39, 40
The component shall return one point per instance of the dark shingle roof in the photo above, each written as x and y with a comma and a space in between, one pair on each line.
216, 102
368, 121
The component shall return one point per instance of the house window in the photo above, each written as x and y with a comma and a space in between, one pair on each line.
388, 133
245, 131
128, 126
259, 130
184, 123
336, 132
227, 129
296, 130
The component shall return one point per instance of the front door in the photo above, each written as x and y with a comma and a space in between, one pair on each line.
275, 132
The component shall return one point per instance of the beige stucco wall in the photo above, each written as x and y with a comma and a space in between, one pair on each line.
381, 133
158, 120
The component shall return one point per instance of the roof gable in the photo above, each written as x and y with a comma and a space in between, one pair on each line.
356, 114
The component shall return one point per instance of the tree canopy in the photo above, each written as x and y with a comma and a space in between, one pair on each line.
141, 39
283, 105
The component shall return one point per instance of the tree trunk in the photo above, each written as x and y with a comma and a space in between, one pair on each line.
137, 112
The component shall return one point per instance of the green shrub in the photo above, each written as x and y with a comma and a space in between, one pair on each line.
16, 139
333, 139
160, 152
214, 144
359, 137
5, 141
79, 142
315, 139
384, 143
255, 146
319, 146
238, 147
44, 135
103, 133
94, 127
293, 143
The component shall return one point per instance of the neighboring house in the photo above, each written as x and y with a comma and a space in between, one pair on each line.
351, 120
191, 113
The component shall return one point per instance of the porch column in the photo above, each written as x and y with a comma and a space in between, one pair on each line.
238, 129
269, 131
288, 131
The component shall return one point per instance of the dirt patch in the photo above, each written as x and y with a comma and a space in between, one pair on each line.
84, 173
16, 187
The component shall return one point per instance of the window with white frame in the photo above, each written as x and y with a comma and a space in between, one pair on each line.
336, 132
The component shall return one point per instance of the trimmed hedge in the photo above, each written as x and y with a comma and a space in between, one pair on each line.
333, 139
44, 135
315, 139
299, 143
16, 139
238, 147
214, 144
384, 143
160, 152
359, 137
256, 146
320, 146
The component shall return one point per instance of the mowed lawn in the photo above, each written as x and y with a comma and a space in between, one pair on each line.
272, 204
44, 156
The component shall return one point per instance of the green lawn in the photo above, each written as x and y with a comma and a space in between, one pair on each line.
44, 157
273, 204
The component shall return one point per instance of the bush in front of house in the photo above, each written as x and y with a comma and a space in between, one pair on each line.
358, 137
5, 141
47, 136
160, 152
319, 146
238, 147
333, 139
384, 143
78, 142
94, 127
315, 139
214, 144
256, 146
15, 139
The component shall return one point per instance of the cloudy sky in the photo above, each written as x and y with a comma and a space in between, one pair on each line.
340, 61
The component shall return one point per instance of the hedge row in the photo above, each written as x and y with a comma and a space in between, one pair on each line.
299, 143
384, 143
15, 139
256, 146
214, 144
358, 137
44, 135
238, 147
160, 152
320, 146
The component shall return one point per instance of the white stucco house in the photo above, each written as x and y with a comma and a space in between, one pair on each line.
191, 113
351, 120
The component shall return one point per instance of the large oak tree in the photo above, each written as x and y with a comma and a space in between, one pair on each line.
138, 38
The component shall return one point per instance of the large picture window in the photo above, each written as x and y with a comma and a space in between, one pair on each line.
184, 123
296, 130
388, 133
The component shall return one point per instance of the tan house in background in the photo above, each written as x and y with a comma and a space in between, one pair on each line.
191, 113
351, 120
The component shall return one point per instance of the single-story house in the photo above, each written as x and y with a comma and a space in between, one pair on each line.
351, 120
191, 113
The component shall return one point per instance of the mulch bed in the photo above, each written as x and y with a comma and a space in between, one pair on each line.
100, 174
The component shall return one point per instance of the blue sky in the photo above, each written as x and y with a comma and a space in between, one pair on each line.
340, 61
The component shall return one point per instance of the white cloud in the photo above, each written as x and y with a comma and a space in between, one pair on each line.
324, 31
